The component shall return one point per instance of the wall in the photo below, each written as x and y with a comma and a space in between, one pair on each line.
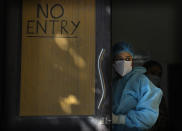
151, 27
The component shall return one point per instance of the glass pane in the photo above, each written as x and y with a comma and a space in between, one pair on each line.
58, 57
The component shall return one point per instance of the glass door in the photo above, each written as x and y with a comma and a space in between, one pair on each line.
61, 62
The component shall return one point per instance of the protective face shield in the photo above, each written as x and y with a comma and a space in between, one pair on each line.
122, 67
155, 79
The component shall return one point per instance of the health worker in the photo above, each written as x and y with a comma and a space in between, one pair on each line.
135, 99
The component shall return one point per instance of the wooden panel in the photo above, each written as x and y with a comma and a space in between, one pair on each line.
58, 58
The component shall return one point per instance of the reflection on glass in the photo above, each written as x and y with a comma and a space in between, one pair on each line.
66, 103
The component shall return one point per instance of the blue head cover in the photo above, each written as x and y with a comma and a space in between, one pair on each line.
122, 47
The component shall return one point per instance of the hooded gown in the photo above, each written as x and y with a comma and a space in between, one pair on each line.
137, 99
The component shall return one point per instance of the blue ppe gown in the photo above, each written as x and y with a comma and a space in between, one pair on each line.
136, 97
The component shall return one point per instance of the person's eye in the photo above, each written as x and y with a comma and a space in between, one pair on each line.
117, 59
127, 59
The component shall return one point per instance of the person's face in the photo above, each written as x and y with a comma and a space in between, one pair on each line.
154, 74
123, 56
154, 70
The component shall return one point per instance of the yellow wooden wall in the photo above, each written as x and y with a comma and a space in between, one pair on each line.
58, 70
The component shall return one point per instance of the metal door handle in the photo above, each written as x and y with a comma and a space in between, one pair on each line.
100, 59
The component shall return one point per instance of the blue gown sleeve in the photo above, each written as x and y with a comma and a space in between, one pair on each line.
127, 101
146, 112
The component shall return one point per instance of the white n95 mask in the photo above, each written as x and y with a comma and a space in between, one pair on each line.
122, 67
